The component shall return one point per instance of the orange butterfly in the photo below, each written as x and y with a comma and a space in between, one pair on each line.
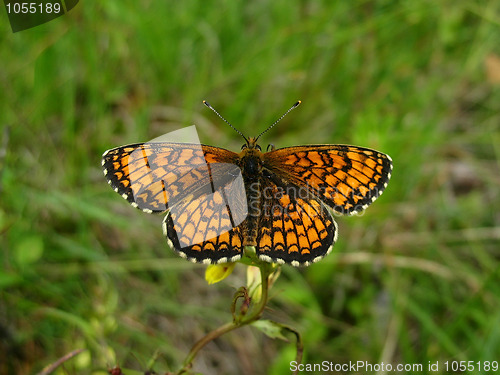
218, 201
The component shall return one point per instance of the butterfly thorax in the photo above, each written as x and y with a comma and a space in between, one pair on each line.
251, 162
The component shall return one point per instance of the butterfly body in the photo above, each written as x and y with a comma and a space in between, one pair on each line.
251, 163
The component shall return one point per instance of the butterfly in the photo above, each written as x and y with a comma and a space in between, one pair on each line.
219, 202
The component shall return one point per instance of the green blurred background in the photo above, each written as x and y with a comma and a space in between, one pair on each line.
415, 279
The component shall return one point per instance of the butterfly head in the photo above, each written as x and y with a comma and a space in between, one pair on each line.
251, 144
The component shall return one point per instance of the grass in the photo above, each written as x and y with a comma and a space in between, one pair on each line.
415, 279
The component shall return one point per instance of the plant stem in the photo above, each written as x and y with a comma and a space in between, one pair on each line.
265, 272
205, 340
255, 314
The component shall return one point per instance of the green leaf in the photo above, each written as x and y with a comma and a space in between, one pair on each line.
270, 329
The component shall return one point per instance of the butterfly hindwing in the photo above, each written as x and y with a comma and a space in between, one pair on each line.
293, 228
203, 233
207, 227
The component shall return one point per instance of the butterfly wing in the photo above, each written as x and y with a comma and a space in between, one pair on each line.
190, 181
346, 178
294, 229
202, 189
154, 176
207, 229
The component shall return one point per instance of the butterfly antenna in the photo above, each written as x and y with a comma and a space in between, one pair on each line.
278, 120
223, 119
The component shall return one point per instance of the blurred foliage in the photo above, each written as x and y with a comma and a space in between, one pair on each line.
415, 279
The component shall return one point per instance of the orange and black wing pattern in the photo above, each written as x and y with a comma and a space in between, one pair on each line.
346, 178
153, 176
190, 181
207, 192
205, 230
294, 228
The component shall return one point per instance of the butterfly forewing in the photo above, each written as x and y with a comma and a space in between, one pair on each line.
154, 176
346, 178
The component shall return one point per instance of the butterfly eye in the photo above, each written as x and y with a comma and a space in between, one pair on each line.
271, 147
244, 147
258, 147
